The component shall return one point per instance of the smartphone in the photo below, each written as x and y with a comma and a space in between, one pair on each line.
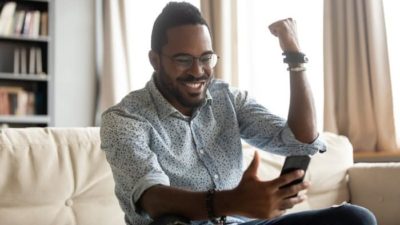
295, 162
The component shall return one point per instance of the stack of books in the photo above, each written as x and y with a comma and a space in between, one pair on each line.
16, 101
14, 22
28, 61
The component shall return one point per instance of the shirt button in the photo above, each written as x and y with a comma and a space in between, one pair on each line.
216, 176
69, 202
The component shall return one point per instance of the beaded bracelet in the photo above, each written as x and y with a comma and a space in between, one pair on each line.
210, 209
296, 69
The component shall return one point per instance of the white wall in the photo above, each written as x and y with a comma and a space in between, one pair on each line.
74, 62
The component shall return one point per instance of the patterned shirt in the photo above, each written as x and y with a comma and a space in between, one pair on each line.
148, 142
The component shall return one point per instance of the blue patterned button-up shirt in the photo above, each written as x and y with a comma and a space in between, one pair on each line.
148, 142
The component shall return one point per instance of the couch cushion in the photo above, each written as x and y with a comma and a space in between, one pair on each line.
55, 176
327, 172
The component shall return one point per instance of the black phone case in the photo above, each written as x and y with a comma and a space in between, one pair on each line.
293, 163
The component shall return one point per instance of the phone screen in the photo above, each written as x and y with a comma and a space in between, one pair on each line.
293, 163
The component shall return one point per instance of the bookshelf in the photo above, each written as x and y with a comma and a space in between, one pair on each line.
26, 59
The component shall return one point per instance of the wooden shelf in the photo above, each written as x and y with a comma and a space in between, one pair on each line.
24, 38
34, 0
24, 77
34, 119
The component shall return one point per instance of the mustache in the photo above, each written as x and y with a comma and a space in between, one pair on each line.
191, 78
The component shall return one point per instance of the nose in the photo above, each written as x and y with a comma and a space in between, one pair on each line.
197, 68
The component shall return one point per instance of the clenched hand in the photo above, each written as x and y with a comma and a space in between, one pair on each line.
286, 31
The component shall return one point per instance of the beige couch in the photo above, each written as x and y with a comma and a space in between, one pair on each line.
59, 176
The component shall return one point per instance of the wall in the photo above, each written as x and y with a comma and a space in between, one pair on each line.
74, 63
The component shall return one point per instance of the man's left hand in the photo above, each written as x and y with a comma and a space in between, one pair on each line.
286, 31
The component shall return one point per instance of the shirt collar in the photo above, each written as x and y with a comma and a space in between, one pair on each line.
163, 107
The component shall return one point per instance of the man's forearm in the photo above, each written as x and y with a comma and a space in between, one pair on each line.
252, 198
301, 117
163, 200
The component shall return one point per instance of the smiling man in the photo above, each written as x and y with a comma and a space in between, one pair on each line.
180, 77
175, 146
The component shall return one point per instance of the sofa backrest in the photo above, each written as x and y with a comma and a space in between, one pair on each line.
60, 176
55, 176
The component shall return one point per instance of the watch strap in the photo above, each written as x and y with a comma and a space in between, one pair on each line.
294, 58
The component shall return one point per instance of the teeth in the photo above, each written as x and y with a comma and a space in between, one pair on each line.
194, 84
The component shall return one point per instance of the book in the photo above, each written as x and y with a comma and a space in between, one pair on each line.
16, 60
27, 23
22, 103
13, 102
30, 106
32, 56
7, 17
3, 101
19, 22
44, 24
34, 31
39, 62
23, 61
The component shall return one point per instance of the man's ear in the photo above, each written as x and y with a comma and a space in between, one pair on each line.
154, 60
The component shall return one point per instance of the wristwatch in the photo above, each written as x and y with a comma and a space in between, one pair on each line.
294, 58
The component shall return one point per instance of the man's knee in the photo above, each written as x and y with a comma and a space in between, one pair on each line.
356, 215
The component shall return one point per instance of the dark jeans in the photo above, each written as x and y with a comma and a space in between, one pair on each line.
346, 214
342, 215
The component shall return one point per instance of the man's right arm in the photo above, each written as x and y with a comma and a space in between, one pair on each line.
251, 198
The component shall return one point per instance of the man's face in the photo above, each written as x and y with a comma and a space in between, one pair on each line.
185, 86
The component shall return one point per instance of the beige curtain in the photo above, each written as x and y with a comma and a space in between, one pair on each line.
114, 81
221, 15
358, 99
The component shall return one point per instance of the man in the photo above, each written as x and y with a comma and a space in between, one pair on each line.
175, 146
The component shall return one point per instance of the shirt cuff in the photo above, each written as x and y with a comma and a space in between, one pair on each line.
142, 185
309, 148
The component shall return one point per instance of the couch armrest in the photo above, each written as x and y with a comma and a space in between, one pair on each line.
376, 186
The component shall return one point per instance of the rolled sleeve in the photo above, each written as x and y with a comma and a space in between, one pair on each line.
297, 147
146, 182
142, 185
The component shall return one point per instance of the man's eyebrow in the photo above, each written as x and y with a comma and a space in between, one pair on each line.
181, 54
187, 54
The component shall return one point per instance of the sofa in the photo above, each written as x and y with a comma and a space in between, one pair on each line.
59, 176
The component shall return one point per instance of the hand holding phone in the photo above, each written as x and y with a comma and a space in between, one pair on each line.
295, 162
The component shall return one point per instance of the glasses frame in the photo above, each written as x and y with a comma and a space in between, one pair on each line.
182, 66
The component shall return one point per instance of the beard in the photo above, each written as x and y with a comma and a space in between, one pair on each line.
170, 88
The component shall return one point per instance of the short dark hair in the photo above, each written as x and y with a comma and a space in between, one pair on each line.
174, 14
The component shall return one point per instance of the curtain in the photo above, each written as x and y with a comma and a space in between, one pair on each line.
114, 80
358, 99
221, 16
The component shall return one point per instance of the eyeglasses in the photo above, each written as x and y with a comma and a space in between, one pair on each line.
185, 61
